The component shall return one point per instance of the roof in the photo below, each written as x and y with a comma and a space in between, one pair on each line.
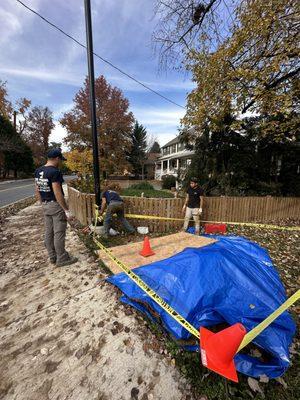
173, 141
180, 154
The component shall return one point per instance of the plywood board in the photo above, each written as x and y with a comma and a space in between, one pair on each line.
164, 247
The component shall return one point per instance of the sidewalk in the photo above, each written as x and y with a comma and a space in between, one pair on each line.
87, 347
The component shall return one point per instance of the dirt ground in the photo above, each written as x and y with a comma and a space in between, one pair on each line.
164, 246
58, 344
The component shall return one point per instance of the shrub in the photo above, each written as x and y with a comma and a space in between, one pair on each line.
168, 181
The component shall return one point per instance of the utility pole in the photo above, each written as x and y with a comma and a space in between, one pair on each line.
90, 57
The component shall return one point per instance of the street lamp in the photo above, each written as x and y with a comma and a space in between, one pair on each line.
90, 57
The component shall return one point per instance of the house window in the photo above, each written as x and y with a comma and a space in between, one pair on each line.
182, 163
173, 148
173, 164
181, 146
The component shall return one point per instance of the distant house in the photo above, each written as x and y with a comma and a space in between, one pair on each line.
149, 165
174, 156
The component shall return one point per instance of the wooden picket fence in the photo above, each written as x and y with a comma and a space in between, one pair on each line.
230, 209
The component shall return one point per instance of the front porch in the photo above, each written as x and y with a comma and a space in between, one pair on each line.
170, 166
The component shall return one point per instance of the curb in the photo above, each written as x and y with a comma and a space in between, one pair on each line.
15, 202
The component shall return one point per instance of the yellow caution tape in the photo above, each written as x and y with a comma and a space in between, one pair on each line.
250, 336
264, 226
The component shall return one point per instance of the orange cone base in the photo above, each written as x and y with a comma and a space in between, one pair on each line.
213, 347
147, 253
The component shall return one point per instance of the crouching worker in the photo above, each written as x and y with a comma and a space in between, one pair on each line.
193, 205
114, 204
49, 192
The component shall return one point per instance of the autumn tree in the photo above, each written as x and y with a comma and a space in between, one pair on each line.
114, 123
243, 53
185, 25
5, 105
54, 145
137, 154
39, 126
80, 161
18, 110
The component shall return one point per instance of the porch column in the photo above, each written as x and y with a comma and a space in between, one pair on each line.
161, 169
168, 167
177, 166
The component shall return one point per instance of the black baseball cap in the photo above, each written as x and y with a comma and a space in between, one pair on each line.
193, 179
56, 153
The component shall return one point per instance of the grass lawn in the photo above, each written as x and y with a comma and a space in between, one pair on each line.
148, 191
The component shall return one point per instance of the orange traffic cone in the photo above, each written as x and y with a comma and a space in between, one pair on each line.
219, 349
146, 251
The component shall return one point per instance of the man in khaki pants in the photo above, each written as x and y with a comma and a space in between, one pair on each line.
49, 192
193, 205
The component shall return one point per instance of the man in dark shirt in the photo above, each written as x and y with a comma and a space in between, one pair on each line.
115, 205
193, 205
49, 192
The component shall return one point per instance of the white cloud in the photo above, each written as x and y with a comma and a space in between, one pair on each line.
161, 117
58, 135
61, 109
12, 20
54, 76
167, 85
162, 124
39, 63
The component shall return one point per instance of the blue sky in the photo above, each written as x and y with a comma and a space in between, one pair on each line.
41, 64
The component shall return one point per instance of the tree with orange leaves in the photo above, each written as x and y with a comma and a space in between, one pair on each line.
114, 120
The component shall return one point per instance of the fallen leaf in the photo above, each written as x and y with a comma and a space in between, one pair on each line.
254, 386
282, 382
264, 379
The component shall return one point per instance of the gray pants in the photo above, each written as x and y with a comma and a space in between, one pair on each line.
189, 214
116, 207
55, 231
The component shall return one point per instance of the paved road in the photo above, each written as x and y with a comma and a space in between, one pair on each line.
18, 190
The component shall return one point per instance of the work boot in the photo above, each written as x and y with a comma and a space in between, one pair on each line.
69, 261
52, 260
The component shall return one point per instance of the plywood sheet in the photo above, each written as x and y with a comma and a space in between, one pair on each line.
164, 247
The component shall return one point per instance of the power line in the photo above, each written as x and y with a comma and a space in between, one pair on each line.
98, 56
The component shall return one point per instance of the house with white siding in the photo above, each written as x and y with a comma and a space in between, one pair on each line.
174, 157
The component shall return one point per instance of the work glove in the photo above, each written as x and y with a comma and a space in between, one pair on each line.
200, 210
68, 214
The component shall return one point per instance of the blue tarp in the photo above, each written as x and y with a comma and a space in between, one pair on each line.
232, 280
